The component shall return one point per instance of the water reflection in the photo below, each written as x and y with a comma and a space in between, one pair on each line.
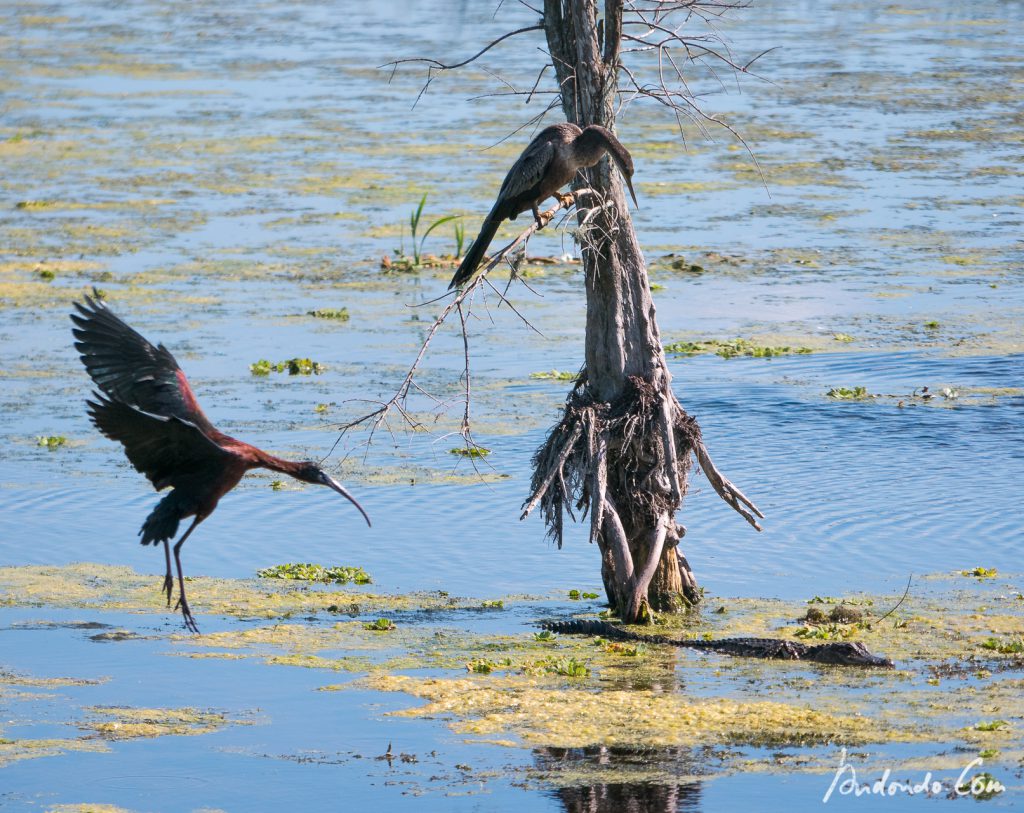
670, 783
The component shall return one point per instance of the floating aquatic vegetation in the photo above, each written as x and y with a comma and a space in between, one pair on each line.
337, 314
484, 666
295, 366
576, 595
316, 573
492, 604
991, 725
848, 393
827, 632
555, 375
33, 205
132, 723
380, 625
981, 572
734, 348
1014, 647
842, 337
568, 667
51, 442
278, 485
321, 409
15, 750
470, 451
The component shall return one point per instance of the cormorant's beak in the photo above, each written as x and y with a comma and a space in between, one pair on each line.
327, 480
629, 186
626, 171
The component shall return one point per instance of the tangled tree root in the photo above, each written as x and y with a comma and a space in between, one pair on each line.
627, 464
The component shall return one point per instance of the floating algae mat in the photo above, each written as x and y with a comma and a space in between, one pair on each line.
491, 678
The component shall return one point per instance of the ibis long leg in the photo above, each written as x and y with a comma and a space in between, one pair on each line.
190, 622
168, 578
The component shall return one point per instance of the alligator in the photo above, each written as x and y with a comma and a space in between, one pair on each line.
839, 653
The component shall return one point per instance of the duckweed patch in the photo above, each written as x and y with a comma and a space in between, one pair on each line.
126, 723
309, 572
540, 689
295, 366
470, 451
848, 393
554, 375
335, 314
112, 587
566, 717
16, 750
981, 572
734, 348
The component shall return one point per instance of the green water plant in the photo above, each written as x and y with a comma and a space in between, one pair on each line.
460, 238
414, 224
569, 667
1015, 647
981, 572
51, 442
380, 625
295, 366
307, 572
733, 348
848, 393
337, 314
554, 375
470, 451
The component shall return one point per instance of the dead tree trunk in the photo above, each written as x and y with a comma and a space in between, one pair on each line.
622, 449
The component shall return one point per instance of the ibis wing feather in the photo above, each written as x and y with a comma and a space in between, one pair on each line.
169, 450
128, 368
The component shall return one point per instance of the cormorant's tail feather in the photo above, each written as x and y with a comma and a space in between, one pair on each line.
476, 252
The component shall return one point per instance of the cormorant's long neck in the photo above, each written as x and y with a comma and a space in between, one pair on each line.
590, 145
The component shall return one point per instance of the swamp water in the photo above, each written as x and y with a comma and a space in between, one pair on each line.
221, 170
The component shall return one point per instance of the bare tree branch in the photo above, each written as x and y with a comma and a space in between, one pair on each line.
398, 402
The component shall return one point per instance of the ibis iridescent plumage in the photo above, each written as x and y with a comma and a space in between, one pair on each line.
548, 163
146, 404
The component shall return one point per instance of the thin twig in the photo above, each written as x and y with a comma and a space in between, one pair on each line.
898, 603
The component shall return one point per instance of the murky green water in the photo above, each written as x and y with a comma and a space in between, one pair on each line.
222, 169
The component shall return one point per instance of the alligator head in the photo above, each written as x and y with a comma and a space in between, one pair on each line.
846, 653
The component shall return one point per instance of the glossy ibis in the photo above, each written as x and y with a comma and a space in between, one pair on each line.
548, 163
147, 405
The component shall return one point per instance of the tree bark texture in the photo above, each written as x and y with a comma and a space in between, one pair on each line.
624, 354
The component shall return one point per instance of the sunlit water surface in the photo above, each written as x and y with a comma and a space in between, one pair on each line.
226, 168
